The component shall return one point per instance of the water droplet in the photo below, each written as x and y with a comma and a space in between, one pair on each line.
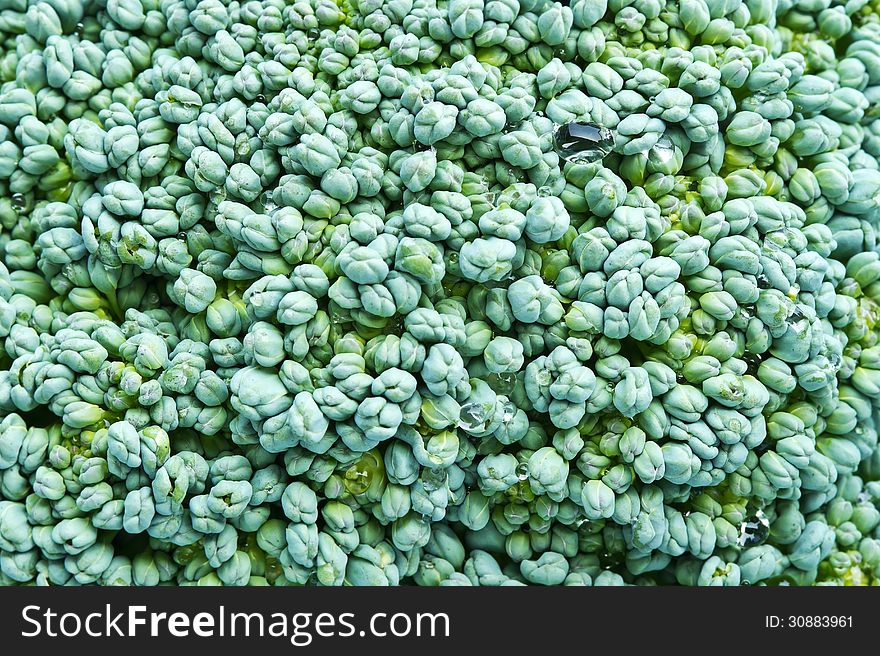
522, 471
453, 257
775, 240
849, 287
858, 430
433, 479
502, 383
795, 316
763, 281
835, 361
420, 99
680, 379
610, 386
508, 412
267, 200
18, 202
507, 377
313, 33
474, 416
753, 360
753, 530
544, 192
261, 98
582, 143
218, 195
78, 29
356, 480
663, 151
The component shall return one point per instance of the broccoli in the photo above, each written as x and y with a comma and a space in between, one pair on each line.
440, 292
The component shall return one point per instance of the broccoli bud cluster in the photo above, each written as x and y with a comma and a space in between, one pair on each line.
439, 292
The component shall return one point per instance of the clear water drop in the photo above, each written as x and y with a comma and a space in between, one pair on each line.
508, 412
433, 479
356, 480
218, 195
267, 200
473, 416
753, 360
795, 315
78, 30
504, 382
582, 143
261, 98
763, 281
753, 530
835, 361
775, 240
663, 151
313, 33
453, 257
849, 287
18, 202
522, 471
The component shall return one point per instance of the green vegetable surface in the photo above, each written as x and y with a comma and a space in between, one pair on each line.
439, 292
